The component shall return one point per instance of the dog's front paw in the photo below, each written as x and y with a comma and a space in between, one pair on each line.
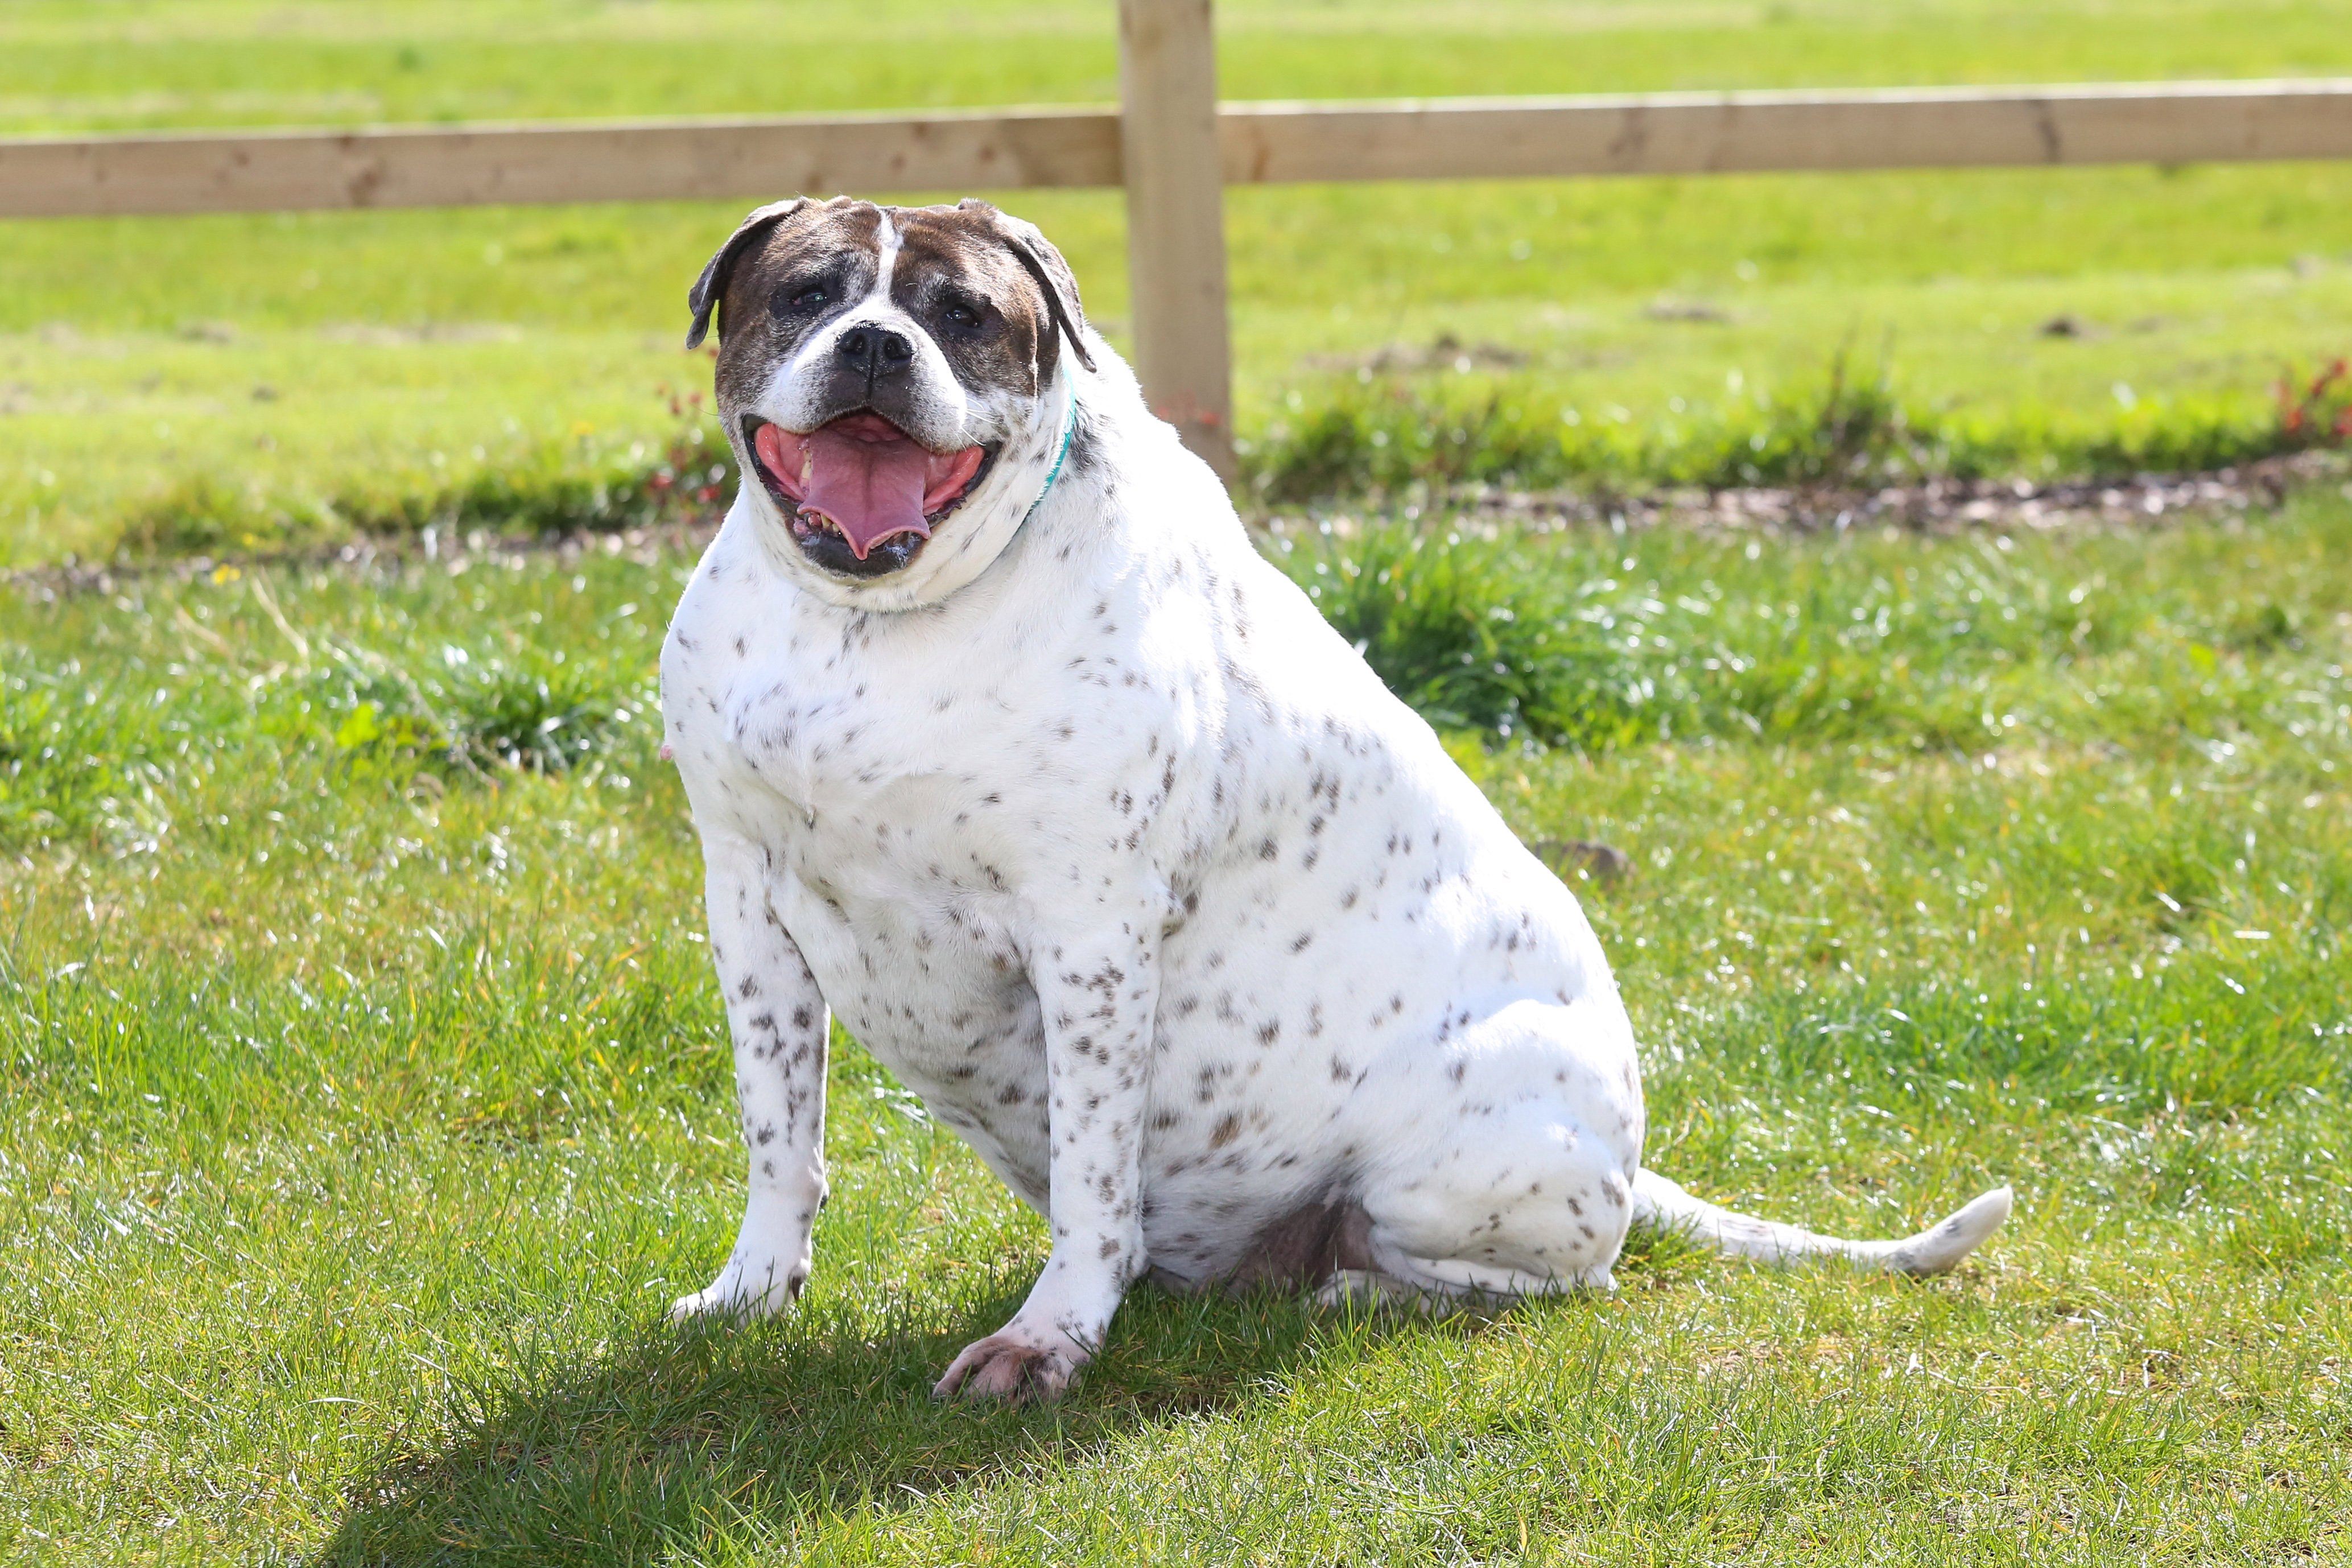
742, 1294
1016, 1365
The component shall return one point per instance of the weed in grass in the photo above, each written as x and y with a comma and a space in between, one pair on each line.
2317, 412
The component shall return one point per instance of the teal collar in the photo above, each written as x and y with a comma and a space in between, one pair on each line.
1069, 431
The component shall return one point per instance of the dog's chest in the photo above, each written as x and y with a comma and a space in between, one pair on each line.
889, 818
900, 802
896, 784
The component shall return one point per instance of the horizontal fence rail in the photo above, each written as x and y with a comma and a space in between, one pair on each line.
1762, 133
1677, 133
473, 165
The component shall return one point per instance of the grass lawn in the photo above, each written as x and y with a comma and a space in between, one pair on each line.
337, 365
364, 1094
363, 1078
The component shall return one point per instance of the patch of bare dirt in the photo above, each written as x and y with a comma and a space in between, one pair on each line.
432, 549
1444, 351
1942, 506
1935, 506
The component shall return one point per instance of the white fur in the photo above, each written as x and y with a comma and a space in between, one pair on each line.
1093, 831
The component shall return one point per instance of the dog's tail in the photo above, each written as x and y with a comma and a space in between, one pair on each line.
1660, 1202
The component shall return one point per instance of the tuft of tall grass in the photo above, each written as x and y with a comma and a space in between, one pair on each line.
112, 758
475, 713
1551, 639
557, 488
1479, 634
67, 766
1384, 436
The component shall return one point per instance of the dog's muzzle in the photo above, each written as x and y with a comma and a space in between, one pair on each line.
861, 495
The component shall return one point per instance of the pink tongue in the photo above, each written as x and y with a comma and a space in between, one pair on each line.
871, 489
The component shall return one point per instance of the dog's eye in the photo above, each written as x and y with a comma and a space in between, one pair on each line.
960, 313
801, 298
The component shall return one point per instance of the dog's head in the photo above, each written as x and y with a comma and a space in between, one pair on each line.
883, 373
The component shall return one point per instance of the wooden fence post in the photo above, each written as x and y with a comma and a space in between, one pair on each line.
1175, 219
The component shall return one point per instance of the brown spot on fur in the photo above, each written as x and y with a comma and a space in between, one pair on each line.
1304, 1248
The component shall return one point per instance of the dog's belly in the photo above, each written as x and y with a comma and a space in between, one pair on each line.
968, 1037
1282, 1067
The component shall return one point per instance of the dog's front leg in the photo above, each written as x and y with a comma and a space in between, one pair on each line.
1098, 995
779, 1024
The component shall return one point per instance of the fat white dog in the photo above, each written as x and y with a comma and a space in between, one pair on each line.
1007, 747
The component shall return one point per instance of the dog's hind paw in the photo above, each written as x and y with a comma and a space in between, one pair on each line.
741, 1294
1367, 1290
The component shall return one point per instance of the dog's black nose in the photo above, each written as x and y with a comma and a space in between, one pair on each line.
874, 350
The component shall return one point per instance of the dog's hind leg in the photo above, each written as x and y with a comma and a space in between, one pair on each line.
1532, 1206
1491, 1174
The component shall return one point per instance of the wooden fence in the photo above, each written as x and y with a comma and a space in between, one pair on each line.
1174, 147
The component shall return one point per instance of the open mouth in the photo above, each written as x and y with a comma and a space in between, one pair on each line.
861, 495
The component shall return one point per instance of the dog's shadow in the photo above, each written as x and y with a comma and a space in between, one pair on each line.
674, 1436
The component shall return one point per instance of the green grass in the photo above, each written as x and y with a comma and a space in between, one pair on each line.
150, 64
364, 1090
327, 371
1534, 638
1851, 434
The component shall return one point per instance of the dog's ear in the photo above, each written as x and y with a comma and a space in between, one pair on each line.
703, 298
1038, 256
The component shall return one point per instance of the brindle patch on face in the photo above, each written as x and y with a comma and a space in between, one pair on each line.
957, 277
958, 273
834, 251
